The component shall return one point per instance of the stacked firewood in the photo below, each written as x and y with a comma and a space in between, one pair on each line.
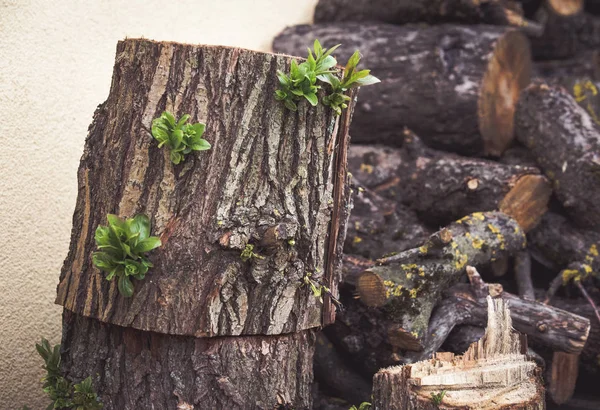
480, 147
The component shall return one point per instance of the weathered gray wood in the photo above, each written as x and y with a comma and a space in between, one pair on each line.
134, 369
267, 166
547, 118
455, 86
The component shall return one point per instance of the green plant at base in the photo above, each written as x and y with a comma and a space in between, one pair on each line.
248, 253
362, 406
122, 246
318, 289
181, 138
62, 393
437, 398
302, 80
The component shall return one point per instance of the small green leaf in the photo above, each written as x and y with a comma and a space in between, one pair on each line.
148, 244
170, 119
199, 128
291, 105
368, 80
182, 120
352, 62
318, 48
175, 157
201, 145
312, 99
125, 286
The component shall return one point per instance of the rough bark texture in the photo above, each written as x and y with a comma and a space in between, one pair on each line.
267, 166
443, 187
494, 373
557, 243
564, 72
410, 284
462, 88
410, 11
547, 118
332, 371
133, 369
564, 35
544, 325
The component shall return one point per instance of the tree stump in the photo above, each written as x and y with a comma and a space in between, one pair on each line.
463, 84
274, 179
494, 373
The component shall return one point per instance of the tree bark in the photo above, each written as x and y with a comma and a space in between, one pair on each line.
411, 283
463, 81
267, 166
493, 373
500, 12
548, 117
274, 179
133, 369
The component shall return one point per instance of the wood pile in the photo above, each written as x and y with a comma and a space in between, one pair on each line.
480, 147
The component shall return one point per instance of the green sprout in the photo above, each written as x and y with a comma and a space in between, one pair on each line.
362, 406
302, 80
181, 138
437, 398
122, 246
318, 289
248, 253
63, 394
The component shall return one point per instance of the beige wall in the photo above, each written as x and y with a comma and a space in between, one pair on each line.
56, 62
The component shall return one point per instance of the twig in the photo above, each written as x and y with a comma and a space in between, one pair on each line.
589, 299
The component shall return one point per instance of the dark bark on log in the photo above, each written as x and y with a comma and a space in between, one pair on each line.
475, 380
267, 166
442, 187
133, 369
522, 269
500, 12
564, 35
565, 72
548, 117
411, 283
590, 355
544, 325
464, 81
332, 372
379, 226
557, 243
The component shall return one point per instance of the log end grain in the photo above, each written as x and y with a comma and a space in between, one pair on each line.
508, 72
565, 7
527, 201
372, 290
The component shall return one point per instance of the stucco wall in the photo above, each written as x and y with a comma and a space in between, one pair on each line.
56, 59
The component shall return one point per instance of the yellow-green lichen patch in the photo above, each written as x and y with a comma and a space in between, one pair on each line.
392, 289
366, 168
594, 250
357, 239
423, 249
493, 228
477, 243
460, 260
413, 293
478, 215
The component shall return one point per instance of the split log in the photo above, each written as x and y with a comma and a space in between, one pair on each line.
133, 369
558, 245
463, 87
271, 176
548, 117
499, 12
411, 283
563, 376
493, 373
544, 325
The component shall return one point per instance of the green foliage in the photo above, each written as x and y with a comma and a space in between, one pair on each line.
122, 246
181, 138
362, 406
62, 394
248, 253
302, 79
437, 398
318, 289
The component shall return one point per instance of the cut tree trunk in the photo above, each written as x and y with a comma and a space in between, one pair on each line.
493, 374
410, 283
500, 12
547, 118
545, 326
463, 82
133, 369
273, 178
